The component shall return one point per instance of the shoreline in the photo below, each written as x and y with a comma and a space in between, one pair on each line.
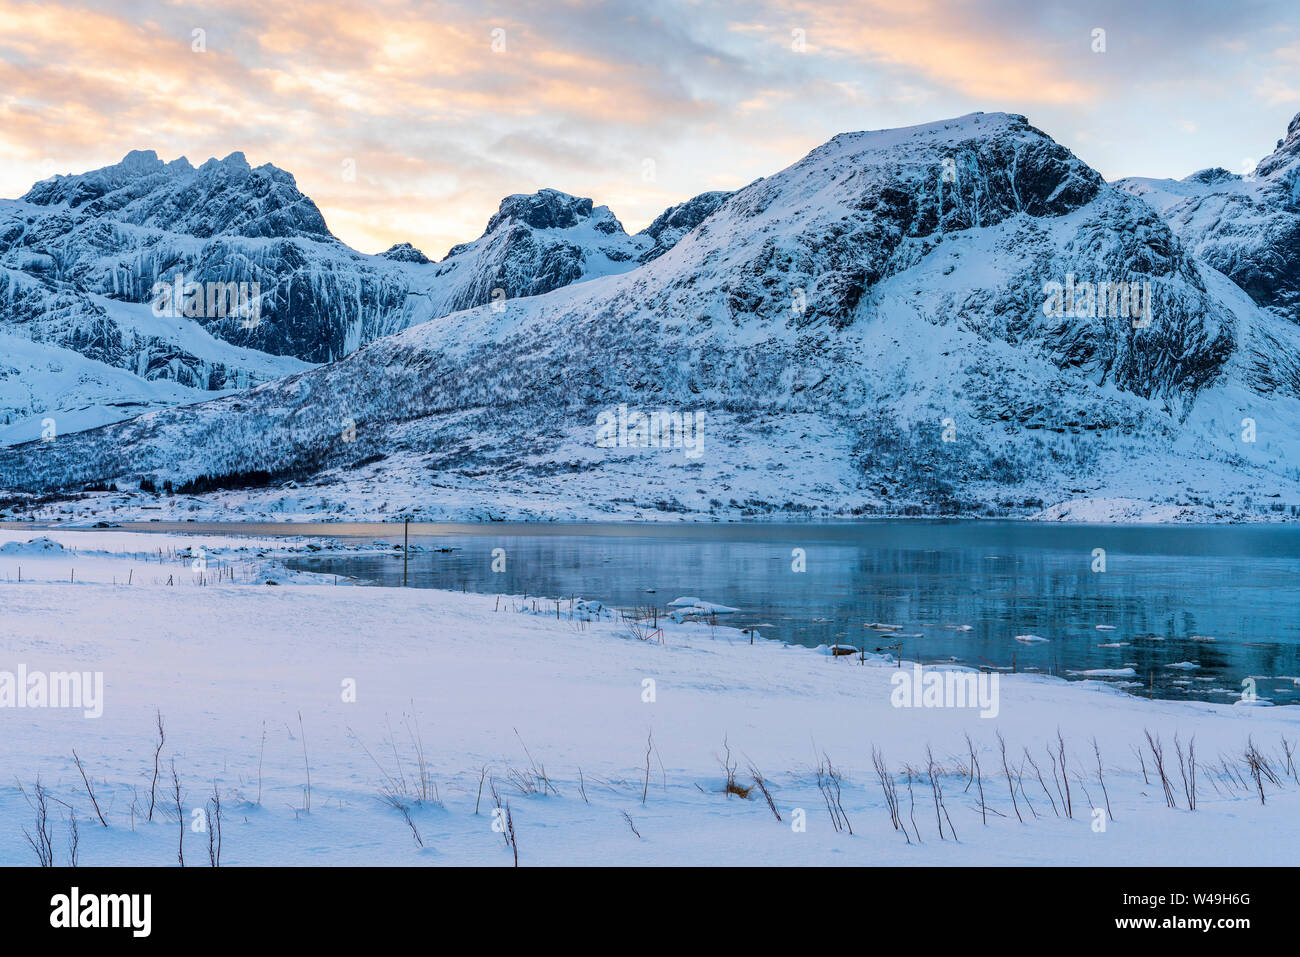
1155, 516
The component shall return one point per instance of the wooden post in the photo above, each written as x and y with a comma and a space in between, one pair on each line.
406, 544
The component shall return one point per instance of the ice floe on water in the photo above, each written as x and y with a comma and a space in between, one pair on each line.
698, 606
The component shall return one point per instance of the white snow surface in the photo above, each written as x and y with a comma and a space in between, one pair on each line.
248, 680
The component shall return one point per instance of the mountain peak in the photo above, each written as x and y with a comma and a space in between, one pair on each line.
235, 162
955, 129
1215, 174
404, 253
544, 209
220, 196
78, 188
1284, 161
140, 161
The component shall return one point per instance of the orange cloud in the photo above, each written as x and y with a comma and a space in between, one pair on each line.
439, 122
983, 57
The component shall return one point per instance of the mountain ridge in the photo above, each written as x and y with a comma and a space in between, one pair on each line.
82, 255
866, 332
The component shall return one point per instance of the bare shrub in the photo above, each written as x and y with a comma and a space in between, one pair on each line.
1069, 802
1187, 769
761, 783
730, 785
936, 791
153, 787
1261, 769
395, 801
628, 817
1002, 746
74, 839
532, 779
40, 841
180, 813
1041, 783
890, 790
829, 782
89, 790
977, 774
214, 827
1158, 755
1096, 750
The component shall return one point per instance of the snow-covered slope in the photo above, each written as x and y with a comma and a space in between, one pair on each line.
37, 377
83, 359
864, 331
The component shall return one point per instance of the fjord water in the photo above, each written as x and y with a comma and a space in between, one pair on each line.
1222, 598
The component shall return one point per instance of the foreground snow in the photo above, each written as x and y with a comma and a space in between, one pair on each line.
515, 693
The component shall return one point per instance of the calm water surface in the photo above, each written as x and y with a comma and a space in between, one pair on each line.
1221, 597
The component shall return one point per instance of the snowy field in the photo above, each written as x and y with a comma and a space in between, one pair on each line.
606, 740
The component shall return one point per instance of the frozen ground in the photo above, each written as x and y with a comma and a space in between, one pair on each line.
249, 680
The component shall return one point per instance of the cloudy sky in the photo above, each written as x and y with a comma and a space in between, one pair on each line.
408, 121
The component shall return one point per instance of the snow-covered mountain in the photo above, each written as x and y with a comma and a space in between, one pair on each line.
533, 244
117, 231
935, 318
1246, 226
81, 258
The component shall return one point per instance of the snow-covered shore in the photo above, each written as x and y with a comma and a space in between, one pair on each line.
568, 702
393, 501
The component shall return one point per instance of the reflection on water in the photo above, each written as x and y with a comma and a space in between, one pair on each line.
1223, 598
1220, 598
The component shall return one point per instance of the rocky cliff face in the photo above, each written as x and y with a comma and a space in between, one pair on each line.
676, 221
116, 232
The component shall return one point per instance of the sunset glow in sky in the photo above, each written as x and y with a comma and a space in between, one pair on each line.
443, 108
